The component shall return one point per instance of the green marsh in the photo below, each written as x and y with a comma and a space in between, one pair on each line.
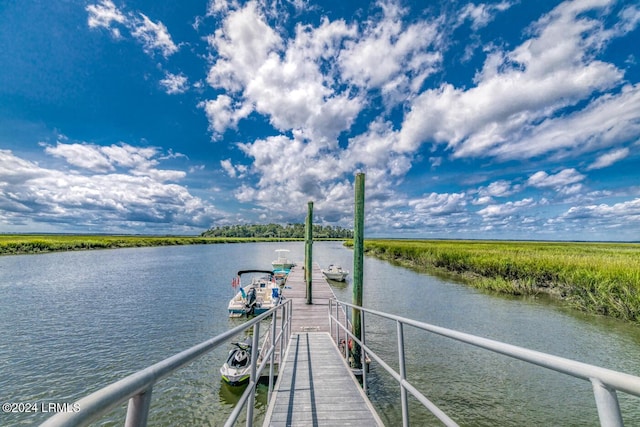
602, 278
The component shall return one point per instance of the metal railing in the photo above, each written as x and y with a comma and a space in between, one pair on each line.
137, 387
605, 382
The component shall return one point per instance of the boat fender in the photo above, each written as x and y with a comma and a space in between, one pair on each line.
342, 343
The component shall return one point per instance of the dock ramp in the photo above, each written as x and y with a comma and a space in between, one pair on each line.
316, 387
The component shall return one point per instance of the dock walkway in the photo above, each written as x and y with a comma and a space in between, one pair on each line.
308, 317
315, 386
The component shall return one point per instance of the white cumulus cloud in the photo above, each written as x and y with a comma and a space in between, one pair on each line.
517, 89
175, 83
104, 15
563, 178
96, 196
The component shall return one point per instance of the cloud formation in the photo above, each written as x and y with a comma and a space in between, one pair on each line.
608, 159
119, 185
153, 36
469, 119
553, 70
549, 95
175, 83
104, 15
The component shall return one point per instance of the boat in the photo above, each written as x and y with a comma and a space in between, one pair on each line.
282, 262
335, 272
260, 295
237, 369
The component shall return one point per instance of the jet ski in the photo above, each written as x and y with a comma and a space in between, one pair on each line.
237, 369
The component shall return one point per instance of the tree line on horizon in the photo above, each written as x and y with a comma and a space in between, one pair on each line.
290, 231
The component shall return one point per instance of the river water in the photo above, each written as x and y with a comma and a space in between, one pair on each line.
73, 322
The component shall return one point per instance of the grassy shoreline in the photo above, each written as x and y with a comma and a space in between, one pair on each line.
20, 244
602, 278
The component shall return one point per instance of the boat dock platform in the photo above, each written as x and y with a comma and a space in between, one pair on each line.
315, 386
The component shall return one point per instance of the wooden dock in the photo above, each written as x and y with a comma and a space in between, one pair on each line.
315, 385
308, 317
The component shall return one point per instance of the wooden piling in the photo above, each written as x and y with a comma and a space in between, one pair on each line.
308, 253
358, 260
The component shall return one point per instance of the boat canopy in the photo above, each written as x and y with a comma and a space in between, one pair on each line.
241, 272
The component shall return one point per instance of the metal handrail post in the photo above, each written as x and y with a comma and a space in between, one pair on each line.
338, 330
346, 335
283, 328
337, 323
363, 352
289, 318
330, 318
138, 409
273, 355
607, 404
254, 380
403, 376
289, 311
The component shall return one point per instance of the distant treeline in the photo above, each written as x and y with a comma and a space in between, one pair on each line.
290, 231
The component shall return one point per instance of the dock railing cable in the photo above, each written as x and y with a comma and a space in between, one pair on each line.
137, 387
605, 382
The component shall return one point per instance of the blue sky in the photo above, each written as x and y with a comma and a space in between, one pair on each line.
497, 120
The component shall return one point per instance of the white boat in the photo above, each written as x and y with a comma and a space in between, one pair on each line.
262, 294
237, 369
282, 262
335, 272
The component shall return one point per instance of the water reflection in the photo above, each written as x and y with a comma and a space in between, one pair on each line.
230, 395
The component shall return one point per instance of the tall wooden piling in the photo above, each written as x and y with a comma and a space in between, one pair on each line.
358, 264
308, 252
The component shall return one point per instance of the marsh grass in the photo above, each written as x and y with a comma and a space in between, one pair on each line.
601, 278
12, 244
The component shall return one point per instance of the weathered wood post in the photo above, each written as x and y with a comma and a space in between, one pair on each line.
308, 252
358, 260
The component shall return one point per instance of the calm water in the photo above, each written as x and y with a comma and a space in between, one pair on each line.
74, 322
